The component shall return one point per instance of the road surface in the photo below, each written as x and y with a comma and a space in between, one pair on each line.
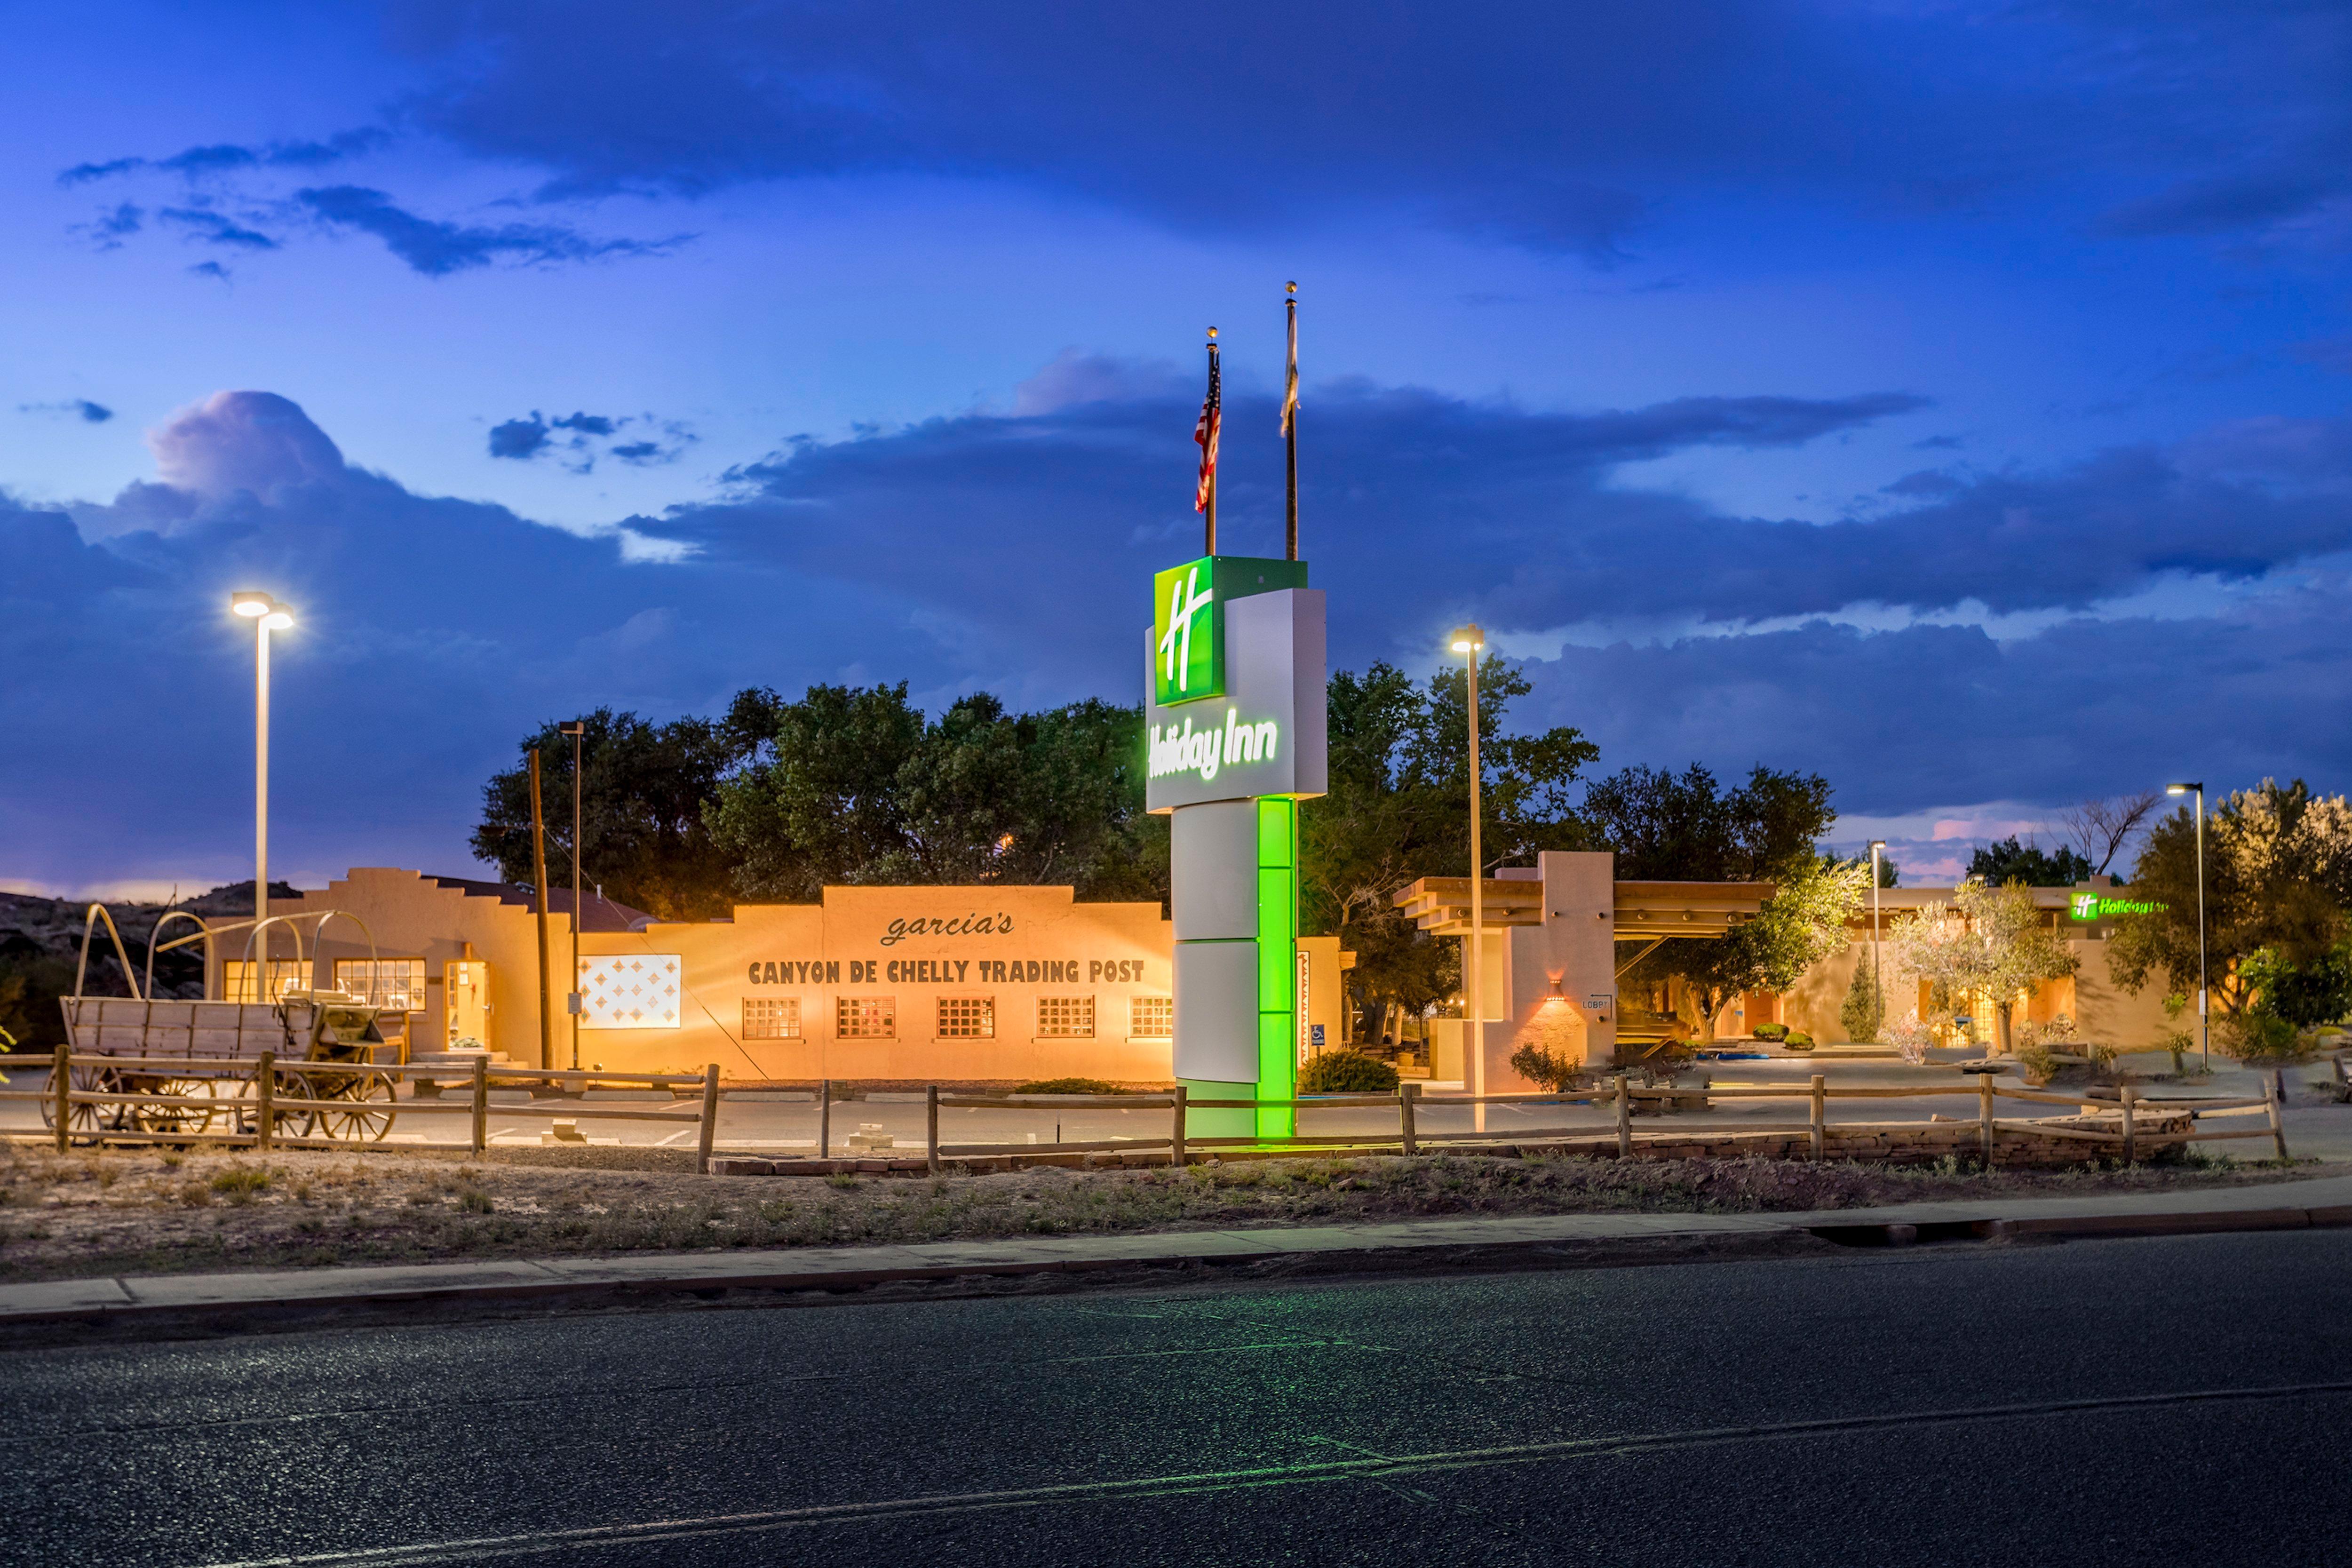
2124, 1402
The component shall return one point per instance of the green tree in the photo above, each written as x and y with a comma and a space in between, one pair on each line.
1993, 943
1670, 827
2010, 861
1398, 808
644, 787
2278, 877
1863, 1009
857, 787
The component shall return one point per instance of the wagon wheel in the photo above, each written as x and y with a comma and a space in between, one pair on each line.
176, 1118
367, 1120
82, 1117
296, 1124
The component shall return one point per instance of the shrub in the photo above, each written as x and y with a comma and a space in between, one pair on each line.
1861, 1013
241, 1182
1910, 1037
1772, 1031
1540, 1066
2259, 1035
1798, 1040
2037, 1061
1346, 1072
1073, 1086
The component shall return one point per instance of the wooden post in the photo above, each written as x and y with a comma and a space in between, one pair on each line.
265, 1093
824, 1120
539, 876
1176, 1133
1984, 1114
931, 1128
61, 1085
481, 1104
1408, 1098
1820, 1110
2131, 1145
1624, 1120
2278, 1130
709, 1119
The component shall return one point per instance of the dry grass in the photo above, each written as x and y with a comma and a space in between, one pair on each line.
125, 1210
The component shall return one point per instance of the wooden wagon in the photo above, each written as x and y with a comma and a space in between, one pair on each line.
199, 1063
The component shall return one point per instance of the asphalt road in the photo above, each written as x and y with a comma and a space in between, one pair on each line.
2129, 1402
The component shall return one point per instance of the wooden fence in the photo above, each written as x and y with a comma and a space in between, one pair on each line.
260, 1103
1408, 1103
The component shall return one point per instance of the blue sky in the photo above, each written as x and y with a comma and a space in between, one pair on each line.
1948, 397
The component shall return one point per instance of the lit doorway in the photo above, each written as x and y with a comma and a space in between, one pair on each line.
466, 993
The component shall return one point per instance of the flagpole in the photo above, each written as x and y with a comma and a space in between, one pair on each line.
1290, 430
1210, 508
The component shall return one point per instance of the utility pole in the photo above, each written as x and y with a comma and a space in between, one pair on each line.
539, 859
578, 731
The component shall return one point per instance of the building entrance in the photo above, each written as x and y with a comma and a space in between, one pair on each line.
465, 1001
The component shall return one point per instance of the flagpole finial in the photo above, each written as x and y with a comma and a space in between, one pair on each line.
1212, 334
1291, 288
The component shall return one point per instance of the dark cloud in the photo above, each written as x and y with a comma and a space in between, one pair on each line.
437, 248
217, 228
590, 436
2219, 207
81, 408
210, 269
1553, 126
221, 158
990, 552
111, 225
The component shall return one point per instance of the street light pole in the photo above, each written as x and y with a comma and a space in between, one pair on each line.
578, 731
2204, 1015
1470, 640
266, 616
1877, 969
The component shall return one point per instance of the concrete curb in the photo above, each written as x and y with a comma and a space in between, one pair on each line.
1535, 1241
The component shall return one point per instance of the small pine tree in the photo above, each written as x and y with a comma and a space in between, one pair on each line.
1862, 1011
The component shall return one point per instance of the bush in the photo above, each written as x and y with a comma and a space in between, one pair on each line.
2037, 1061
2261, 1036
1859, 1013
1346, 1072
1074, 1086
1541, 1067
1798, 1040
1770, 1031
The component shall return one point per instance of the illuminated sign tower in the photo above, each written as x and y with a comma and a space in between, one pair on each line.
1236, 724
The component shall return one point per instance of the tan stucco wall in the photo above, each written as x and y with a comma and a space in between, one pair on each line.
1112, 952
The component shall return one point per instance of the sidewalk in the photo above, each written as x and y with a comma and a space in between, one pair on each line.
2324, 1201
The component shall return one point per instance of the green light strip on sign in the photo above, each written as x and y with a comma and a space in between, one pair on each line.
1278, 945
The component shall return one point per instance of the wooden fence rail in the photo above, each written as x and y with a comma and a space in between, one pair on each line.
258, 1105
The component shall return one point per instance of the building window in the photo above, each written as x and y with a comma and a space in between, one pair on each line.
1066, 1017
865, 1017
636, 991
285, 974
772, 1017
1151, 1018
967, 1017
396, 985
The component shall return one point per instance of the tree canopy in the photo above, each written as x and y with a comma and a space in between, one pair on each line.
2278, 882
2008, 860
1990, 942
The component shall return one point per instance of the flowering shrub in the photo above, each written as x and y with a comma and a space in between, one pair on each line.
1911, 1037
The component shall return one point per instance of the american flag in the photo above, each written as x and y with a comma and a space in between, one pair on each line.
1204, 432
1290, 382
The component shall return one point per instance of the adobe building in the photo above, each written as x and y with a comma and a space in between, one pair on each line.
1556, 936
911, 984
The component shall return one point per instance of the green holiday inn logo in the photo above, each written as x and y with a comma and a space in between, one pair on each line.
1188, 627
2097, 907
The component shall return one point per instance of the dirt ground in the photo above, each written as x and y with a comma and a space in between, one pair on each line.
141, 1211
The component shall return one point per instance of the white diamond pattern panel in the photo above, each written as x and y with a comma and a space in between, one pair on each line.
638, 991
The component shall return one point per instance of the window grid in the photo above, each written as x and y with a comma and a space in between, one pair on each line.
285, 974
967, 1018
772, 1017
1151, 1018
395, 984
865, 1017
1066, 1017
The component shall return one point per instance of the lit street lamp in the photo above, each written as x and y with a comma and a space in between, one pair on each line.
1877, 969
268, 615
2204, 1018
1469, 640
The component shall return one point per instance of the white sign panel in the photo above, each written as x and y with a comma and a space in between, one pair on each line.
638, 991
1266, 734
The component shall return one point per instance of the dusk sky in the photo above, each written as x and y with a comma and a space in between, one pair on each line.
1954, 399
